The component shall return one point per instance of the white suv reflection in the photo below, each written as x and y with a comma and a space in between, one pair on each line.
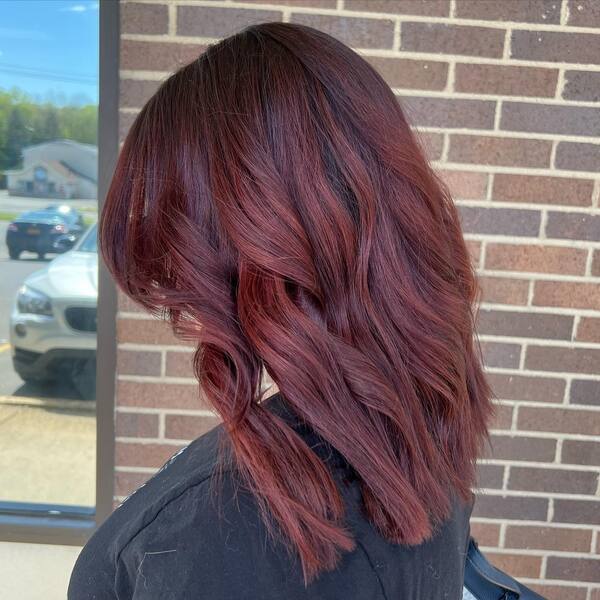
53, 320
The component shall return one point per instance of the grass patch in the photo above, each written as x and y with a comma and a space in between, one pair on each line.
7, 216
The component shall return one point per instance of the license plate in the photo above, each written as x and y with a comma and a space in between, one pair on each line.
33, 231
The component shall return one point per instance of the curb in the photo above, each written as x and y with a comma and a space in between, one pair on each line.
81, 405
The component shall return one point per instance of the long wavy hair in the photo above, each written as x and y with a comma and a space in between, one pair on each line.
272, 201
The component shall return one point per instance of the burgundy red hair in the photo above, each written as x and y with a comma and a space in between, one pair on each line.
272, 201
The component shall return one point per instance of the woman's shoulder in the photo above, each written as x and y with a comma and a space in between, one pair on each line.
184, 480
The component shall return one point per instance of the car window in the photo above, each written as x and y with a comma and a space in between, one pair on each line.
89, 242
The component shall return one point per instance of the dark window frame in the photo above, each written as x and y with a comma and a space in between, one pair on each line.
72, 525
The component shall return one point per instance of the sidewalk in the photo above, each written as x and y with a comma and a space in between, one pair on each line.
47, 450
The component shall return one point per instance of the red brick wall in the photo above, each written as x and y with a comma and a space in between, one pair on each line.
507, 96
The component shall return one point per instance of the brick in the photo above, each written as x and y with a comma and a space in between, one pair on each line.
433, 144
129, 424
582, 85
215, 22
125, 122
573, 226
527, 388
578, 157
144, 18
353, 31
584, 13
549, 118
451, 113
126, 304
531, 537
496, 354
561, 481
474, 249
573, 569
127, 482
160, 395
138, 362
486, 534
465, 185
558, 420
584, 512
299, 3
504, 290
520, 508
518, 565
588, 330
542, 190
585, 392
524, 324
489, 476
503, 416
511, 447
187, 427
567, 294
505, 80
463, 40
577, 452
128, 454
134, 93
157, 56
532, 11
411, 74
425, 8
556, 46
179, 364
560, 592
502, 151
570, 359
596, 263
535, 258
500, 221
146, 331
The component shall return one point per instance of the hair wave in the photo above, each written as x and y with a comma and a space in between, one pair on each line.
271, 200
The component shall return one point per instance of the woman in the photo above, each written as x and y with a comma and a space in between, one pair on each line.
271, 201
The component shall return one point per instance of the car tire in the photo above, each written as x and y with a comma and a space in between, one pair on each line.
83, 378
13, 253
37, 380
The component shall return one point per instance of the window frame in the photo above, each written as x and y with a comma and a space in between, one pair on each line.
72, 525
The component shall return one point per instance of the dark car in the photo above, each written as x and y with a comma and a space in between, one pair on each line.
53, 229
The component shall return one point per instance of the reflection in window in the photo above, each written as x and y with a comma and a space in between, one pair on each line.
48, 252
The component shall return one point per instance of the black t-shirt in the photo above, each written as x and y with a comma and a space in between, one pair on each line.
180, 537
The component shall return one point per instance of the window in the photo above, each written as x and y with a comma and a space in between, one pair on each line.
58, 131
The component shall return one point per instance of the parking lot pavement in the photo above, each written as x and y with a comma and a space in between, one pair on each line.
47, 451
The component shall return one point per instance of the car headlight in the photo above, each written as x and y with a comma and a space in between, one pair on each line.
33, 302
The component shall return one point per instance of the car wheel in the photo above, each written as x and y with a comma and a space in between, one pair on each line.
83, 378
14, 253
38, 381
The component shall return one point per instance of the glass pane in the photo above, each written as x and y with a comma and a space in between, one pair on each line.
48, 251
